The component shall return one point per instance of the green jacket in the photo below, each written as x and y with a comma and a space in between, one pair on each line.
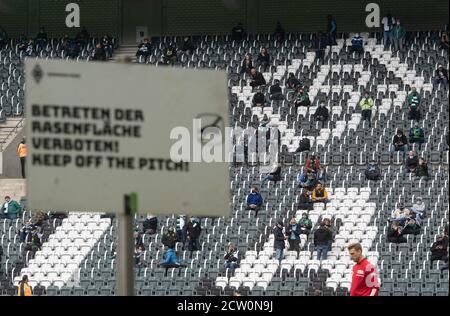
398, 32
366, 104
13, 207
305, 222
414, 99
302, 96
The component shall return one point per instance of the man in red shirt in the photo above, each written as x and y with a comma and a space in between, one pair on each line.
364, 275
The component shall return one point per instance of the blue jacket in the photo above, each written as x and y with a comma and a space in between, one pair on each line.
301, 178
170, 258
254, 198
357, 41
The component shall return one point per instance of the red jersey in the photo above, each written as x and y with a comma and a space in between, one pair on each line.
364, 279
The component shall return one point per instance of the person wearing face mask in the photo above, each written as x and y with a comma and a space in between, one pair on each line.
357, 44
305, 224
366, 105
275, 91
254, 201
441, 76
293, 235
413, 100
398, 34
302, 98
412, 161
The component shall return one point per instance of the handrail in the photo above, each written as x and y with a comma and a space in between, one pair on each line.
13, 130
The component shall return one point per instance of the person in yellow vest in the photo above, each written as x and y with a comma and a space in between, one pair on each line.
366, 105
24, 289
22, 152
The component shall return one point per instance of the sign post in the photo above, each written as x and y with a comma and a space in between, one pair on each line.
98, 131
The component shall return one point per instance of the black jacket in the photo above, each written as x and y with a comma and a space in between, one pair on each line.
395, 236
402, 139
444, 73
187, 46
275, 89
259, 98
279, 238
277, 174
439, 248
293, 83
258, 79
289, 230
412, 162
99, 54
422, 170
322, 237
151, 223
145, 48
169, 239
373, 171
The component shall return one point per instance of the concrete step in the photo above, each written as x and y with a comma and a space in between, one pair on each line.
15, 188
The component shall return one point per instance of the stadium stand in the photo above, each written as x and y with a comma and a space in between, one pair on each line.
79, 256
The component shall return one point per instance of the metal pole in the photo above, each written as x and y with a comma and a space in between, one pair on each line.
125, 251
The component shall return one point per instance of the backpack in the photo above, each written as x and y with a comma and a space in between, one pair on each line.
304, 145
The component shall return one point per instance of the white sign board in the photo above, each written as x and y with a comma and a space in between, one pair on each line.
98, 131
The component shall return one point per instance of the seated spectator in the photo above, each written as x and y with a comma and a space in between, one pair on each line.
321, 114
322, 239
422, 170
181, 229
138, 239
411, 227
321, 174
247, 65
418, 210
279, 32
312, 164
263, 59
257, 79
304, 145
258, 98
170, 56
275, 173
41, 38
171, 260
107, 44
150, 225
187, 46
24, 289
417, 135
279, 242
72, 48
238, 32
414, 98
231, 257
320, 44
400, 214
372, 171
275, 91
394, 233
30, 48
99, 53
302, 98
305, 223
254, 200
10, 209
138, 259
144, 49
170, 238
366, 105
412, 161
26, 231
444, 41
22, 42
439, 249
193, 231
293, 235
82, 38
441, 76
357, 44
320, 195
307, 181
4, 38
400, 142
398, 35
292, 83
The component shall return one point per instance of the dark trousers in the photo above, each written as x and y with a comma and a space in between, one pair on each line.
414, 114
146, 55
22, 165
294, 244
367, 116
